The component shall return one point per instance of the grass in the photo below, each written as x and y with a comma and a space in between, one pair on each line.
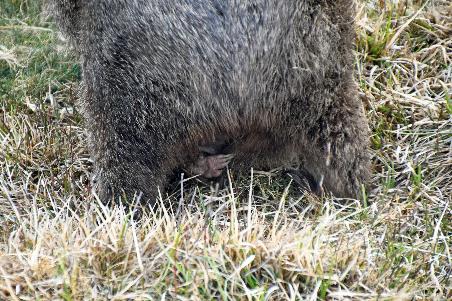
254, 240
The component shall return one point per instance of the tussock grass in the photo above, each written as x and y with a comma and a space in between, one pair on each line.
255, 239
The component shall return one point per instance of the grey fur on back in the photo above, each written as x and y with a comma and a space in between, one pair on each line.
274, 79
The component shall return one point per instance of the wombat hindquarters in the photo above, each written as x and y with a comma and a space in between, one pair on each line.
262, 83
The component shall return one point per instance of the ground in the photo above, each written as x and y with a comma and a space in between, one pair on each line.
256, 239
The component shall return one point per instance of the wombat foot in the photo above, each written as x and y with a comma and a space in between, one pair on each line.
210, 166
305, 181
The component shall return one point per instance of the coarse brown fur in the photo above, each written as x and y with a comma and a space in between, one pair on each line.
271, 81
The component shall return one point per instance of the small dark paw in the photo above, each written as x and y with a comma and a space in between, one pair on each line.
305, 181
211, 166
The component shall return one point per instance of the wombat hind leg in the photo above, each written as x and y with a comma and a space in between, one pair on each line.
210, 166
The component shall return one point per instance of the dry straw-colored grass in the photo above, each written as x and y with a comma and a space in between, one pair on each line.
255, 239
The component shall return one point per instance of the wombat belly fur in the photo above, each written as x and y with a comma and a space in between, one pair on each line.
272, 80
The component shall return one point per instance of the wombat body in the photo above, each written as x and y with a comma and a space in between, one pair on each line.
199, 84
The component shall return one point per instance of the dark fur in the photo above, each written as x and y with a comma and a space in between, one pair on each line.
272, 80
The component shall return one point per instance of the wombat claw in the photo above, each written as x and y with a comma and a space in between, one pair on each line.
211, 166
305, 181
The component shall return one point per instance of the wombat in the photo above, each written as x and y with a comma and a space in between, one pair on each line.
199, 85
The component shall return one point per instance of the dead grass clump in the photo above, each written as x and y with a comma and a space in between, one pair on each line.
104, 254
